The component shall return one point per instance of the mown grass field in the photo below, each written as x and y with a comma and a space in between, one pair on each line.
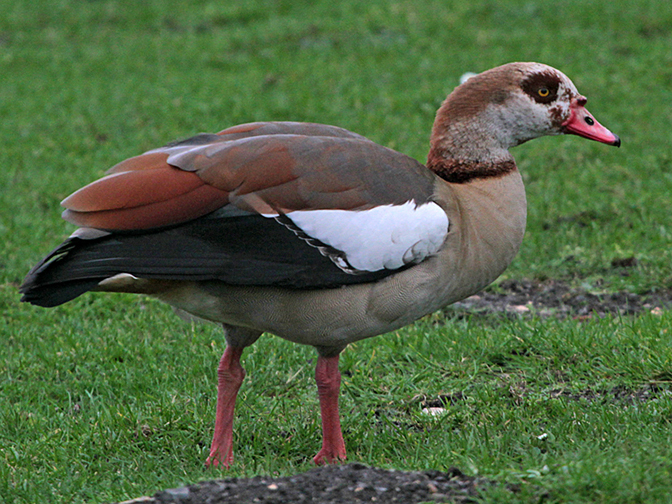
112, 397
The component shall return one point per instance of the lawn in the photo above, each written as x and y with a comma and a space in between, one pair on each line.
111, 396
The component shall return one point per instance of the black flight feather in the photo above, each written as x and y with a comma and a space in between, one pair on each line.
245, 250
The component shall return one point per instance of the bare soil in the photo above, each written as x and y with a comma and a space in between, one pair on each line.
336, 484
357, 483
555, 298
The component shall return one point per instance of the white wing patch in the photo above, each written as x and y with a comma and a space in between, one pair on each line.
384, 237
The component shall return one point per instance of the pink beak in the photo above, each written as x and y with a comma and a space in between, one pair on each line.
582, 123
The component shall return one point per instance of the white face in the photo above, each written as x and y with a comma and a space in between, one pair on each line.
537, 107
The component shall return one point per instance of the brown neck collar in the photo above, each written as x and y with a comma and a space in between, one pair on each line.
459, 172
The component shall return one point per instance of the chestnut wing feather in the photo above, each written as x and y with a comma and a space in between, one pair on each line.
265, 174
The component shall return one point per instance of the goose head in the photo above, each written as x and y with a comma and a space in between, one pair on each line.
508, 105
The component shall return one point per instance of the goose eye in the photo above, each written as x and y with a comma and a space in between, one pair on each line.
543, 92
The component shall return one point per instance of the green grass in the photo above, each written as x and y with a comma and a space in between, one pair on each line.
111, 397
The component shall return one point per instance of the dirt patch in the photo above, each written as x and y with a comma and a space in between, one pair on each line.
338, 484
649, 392
555, 298
619, 394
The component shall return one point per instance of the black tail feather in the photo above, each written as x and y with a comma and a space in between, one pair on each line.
49, 296
49, 283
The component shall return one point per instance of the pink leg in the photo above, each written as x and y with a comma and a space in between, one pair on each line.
230, 375
328, 380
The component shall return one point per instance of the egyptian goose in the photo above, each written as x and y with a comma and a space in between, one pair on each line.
312, 232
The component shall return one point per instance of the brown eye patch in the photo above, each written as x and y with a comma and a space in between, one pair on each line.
542, 87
